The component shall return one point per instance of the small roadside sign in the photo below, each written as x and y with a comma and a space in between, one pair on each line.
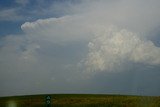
48, 101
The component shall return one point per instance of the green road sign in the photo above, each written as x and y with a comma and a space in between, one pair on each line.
48, 101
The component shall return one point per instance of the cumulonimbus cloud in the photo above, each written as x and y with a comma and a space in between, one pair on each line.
47, 52
58, 30
112, 47
108, 46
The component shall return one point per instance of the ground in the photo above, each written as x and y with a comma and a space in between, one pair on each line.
80, 100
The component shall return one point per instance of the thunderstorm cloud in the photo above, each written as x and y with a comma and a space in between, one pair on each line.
100, 46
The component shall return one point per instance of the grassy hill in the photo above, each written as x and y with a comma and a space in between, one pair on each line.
80, 100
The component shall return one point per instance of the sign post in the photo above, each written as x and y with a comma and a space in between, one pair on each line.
48, 101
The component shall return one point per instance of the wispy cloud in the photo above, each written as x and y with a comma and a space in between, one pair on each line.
10, 15
22, 2
22, 10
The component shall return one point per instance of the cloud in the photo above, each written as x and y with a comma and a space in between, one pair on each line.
58, 30
22, 2
59, 52
10, 15
109, 50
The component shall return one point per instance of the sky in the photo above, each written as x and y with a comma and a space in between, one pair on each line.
80, 46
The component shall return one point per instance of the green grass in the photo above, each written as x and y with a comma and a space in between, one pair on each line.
80, 100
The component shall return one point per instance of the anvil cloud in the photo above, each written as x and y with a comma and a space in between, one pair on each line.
98, 46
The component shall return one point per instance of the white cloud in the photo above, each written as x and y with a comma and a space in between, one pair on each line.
22, 2
47, 55
109, 48
10, 15
58, 30
113, 47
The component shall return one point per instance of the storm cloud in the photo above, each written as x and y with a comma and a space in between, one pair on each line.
103, 46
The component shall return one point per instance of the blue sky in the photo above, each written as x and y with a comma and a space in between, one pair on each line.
79, 46
15, 12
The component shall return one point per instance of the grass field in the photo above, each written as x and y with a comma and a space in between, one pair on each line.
80, 100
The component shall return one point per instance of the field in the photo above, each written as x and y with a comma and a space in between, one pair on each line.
80, 100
